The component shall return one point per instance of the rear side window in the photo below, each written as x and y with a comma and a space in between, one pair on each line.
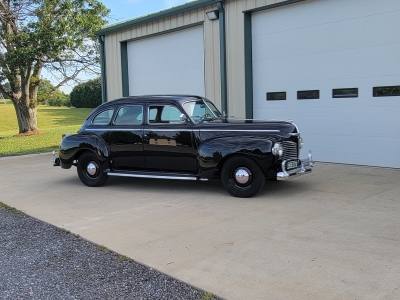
129, 115
103, 118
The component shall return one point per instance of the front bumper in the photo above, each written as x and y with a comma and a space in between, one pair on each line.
303, 166
55, 159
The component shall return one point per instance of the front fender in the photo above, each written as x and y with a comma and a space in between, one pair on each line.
73, 145
213, 153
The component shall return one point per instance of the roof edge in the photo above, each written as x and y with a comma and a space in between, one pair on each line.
155, 16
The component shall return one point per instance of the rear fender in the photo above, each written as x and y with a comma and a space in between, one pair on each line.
72, 146
213, 153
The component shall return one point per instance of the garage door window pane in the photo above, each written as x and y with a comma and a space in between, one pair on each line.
345, 93
385, 91
276, 96
314, 94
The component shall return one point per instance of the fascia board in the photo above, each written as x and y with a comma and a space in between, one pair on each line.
155, 16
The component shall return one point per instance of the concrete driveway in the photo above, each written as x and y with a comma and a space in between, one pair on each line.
334, 234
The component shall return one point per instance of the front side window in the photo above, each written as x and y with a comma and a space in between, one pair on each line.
103, 118
164, 114
198, 110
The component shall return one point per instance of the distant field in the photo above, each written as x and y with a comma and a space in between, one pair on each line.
52, 121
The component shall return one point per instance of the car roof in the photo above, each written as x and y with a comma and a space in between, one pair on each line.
151, 99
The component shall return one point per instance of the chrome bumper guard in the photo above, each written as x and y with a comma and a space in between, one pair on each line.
302, 166
55, 159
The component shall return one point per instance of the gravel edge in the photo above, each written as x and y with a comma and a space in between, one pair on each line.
41, 261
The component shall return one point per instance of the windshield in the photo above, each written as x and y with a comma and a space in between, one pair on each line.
201, 110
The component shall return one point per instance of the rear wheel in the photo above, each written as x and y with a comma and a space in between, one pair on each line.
90, 171
242, 177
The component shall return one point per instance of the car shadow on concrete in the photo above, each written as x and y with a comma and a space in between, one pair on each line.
272, 189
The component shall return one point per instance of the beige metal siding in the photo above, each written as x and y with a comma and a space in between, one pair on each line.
192, 17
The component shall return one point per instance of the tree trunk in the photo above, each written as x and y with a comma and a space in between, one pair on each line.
26, 117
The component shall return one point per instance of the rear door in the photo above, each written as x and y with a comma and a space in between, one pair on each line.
126, 138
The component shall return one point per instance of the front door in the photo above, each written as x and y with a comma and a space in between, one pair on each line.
168, 141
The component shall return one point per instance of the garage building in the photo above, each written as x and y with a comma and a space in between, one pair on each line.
332, 66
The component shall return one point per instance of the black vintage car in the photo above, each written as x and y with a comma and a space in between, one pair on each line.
182, 137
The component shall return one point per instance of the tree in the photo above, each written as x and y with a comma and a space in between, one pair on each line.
87, 94
58, 35
50, 95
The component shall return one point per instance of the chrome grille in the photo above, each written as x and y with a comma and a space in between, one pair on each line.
289, 150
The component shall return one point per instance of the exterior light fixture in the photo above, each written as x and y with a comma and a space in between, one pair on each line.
212, 15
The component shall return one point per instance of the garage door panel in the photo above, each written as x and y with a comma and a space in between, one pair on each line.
170, 42
171, 63
346, 134
165, 83
355, 47
353, 66
359, 149
338, 11
177, 61
328, 39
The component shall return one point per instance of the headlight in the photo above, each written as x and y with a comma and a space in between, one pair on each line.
301, 143
277, 150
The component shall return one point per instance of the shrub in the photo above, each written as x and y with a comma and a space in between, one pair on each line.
58, 99
87, 94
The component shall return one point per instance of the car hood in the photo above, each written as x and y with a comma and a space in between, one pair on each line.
251, 124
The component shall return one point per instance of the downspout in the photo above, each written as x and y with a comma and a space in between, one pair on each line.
222, 50
103, 69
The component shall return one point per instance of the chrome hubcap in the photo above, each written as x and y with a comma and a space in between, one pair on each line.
91, 169
243, 176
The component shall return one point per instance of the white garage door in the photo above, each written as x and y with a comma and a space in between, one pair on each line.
171, 63
346, 47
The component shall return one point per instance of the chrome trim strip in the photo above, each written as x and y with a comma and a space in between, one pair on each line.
240, 130
186, 130
106, 129
156, 176
297, 128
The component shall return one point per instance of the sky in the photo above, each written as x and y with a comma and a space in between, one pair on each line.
122, 10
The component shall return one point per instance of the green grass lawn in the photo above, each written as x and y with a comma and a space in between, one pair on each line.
52, 122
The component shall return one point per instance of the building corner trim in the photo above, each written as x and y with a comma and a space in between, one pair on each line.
248, 65
103, 69
124, 69
222, 37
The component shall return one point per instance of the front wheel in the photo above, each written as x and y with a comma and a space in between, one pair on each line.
242, 177
89, 170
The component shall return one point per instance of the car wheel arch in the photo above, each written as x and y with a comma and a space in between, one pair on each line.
104, 161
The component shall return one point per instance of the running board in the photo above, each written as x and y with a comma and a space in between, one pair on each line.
155, 175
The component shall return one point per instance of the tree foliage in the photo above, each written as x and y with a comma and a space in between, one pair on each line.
57, 35
50, 95
87, 94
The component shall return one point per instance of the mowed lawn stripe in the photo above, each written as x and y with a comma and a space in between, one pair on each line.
52, 123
